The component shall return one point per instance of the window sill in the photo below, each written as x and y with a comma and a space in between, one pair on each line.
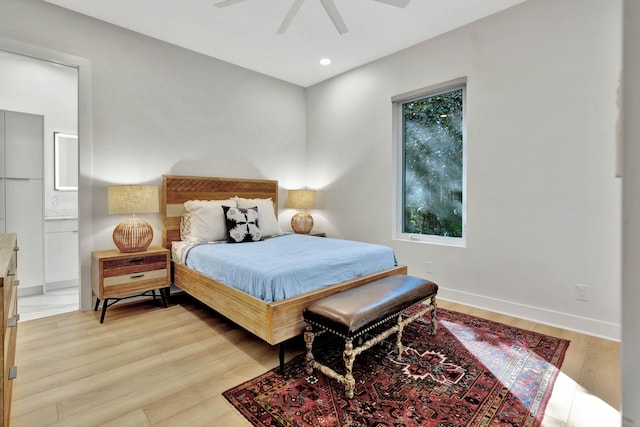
433, 240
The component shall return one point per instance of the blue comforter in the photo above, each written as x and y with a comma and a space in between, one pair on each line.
285, 266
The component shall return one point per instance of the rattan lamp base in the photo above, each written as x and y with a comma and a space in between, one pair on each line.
302, 223
133, 235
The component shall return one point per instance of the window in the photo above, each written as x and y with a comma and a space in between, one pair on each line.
431, 165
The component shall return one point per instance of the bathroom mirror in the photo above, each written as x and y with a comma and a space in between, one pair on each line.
65, 161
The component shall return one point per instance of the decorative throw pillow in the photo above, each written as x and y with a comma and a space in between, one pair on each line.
185, 227
242, 224
267, 215
207, 219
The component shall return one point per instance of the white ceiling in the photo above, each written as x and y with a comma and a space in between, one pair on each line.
245, 33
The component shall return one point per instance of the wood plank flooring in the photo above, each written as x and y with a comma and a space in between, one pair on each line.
151, 366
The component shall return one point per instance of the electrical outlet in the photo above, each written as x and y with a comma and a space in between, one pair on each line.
428, 267
581, 292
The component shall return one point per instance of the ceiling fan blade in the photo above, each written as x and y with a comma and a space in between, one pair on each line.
293, 11
396, 3
226, 3
333, 13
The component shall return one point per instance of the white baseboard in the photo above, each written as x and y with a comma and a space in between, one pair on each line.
29, 291
558, 319
63, 284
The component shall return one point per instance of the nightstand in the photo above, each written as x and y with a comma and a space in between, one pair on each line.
116, 275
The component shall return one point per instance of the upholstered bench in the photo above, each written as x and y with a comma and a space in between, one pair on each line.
369, 313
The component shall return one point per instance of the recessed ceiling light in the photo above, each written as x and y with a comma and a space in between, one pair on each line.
325, 61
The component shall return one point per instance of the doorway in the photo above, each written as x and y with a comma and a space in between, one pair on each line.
35, 86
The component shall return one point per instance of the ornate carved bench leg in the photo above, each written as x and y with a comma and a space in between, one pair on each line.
349, 356
308, 339
399, 338
434, 322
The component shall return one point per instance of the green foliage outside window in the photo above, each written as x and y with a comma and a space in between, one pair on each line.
432, 165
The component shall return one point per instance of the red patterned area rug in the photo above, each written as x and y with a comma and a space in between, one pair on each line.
474, 372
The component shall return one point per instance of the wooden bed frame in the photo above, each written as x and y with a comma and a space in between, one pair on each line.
273, 322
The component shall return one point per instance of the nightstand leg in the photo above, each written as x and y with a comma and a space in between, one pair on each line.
104, 309
164, 294
97, 304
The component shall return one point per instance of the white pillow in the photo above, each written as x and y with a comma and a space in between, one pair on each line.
266, 214
207, 219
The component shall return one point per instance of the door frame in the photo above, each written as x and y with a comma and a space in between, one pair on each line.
85, 150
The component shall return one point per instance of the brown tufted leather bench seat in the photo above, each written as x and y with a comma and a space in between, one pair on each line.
371, 312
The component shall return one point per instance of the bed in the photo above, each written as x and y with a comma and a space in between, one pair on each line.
274, 322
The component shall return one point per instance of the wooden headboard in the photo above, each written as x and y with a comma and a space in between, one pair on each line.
178, 189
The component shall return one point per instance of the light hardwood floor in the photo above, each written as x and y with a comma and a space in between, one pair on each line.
147, 365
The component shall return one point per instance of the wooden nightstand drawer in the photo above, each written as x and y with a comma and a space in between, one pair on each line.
158, 276
134, 265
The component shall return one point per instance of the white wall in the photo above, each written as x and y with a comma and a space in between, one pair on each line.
543, 209
631, 215
34, 86
543, 202
148, 108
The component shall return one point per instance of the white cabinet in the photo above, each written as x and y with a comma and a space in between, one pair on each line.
61, 247
24, 216
24, 145
22, 205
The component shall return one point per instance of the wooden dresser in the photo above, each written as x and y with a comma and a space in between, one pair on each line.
8, 320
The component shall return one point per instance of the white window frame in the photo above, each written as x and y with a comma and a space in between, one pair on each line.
397, 158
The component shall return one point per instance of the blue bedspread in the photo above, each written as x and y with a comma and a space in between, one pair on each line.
285, 266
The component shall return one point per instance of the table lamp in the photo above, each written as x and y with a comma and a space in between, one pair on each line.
133, 234
301, 222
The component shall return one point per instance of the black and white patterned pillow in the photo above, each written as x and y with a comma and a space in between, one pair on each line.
242, 224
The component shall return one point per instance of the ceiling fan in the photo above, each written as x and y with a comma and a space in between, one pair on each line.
329, 7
